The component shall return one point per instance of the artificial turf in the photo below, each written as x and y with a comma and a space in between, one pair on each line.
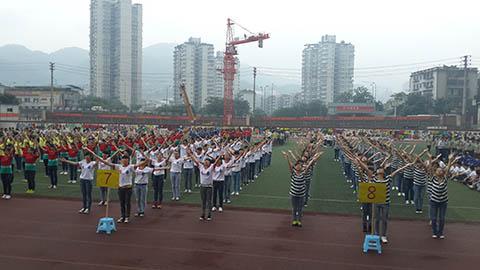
330, 193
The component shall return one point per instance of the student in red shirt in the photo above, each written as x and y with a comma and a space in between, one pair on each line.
72, 151
6, 172
31, 156
52, 153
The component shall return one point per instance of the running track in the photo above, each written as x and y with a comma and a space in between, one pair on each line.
49, 234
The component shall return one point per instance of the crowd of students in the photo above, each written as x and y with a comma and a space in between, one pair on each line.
401, 169
216, 163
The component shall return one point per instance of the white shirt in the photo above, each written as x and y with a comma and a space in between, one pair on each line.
218, 173
228, 168
157, 165
188, 163
176, 164
87, 169
102, 166
200, 157
183, 150
206, 175
237, 166
141, 175
126, 175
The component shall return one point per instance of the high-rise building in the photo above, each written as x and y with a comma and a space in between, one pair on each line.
194, 65
327, 69
116, 50
219, 79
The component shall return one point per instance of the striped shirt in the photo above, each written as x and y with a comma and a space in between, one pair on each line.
419, 176
297, 184
408, 172
438, 190
388, 182
309, 173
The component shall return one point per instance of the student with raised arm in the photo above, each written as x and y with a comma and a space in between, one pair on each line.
206, 185
297, 187
382, 209
102, 166
125, 183
158, 179
87, 169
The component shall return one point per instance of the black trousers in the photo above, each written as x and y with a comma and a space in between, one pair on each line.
72, 172
125, 198
52, 173
218, 193
206, 196
30, 176
7, 179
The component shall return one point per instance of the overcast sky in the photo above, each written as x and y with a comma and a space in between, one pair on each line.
384, 32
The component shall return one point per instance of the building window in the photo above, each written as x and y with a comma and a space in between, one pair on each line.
9, 109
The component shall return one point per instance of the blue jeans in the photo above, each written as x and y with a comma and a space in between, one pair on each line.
157, 182
141, 194
418, 192
297, 208
381, 218
437, 216
86, 188
399, 182
408, 189
236, 182
188, 174
228, 187
175, 179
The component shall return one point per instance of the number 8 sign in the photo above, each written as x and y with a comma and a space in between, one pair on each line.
372, 192
108, 178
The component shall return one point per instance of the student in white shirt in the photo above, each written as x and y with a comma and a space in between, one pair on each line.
218, 183
101, 166
188, 173
87, 167
142, 173
158, 179
176, 163
125, 183
227, 162
206, 185
199, 154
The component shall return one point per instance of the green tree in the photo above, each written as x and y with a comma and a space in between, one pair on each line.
215, 107
415, 104
362, 95
313, 108
345, 97
9, 99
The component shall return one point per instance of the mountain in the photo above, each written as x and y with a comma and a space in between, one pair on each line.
22, 66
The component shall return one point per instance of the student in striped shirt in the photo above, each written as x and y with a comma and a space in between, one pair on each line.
298, 187
382, 209
438, 187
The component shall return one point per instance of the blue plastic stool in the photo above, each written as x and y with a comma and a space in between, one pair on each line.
372, 242
106, 225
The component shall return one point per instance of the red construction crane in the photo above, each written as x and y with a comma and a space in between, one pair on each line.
229, 69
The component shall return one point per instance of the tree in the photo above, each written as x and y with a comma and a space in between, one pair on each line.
444, 106
345, 97
415, 104
8, 99
313, 108
362, 95
178, 109
107, 104
215, 107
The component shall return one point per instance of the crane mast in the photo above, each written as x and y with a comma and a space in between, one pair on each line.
229, 69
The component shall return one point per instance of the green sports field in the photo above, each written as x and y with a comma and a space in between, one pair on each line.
330, 192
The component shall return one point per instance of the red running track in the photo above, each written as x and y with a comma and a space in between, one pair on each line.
49, 234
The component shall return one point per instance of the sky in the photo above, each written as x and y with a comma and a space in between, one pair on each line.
385, 33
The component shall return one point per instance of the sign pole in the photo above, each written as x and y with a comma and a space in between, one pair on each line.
108, 202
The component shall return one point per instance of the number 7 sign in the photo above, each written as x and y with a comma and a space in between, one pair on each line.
108, 178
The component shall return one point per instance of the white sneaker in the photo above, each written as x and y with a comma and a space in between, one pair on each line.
407, 202
4, 196
399, 194
189, 191
236, 193
177, 199
442, 237
74, 182
412, 202
384, 239
220, 209
434, 236
214, 209
403, 194
54, 187
81, 211
185, 191
233, 193
173, 198
86, 211
8, 197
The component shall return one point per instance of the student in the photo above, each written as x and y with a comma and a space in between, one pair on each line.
206, 186
52, 154
227, 163
158, 180
200, 155
188, 173
6, 171
439, 198
142, 173
125, 184
218, 184
102, 166
87, 170
72, 152
297, 187
176, 163
31, 157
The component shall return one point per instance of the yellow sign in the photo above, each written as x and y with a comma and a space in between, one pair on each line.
372, 192
108, 178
